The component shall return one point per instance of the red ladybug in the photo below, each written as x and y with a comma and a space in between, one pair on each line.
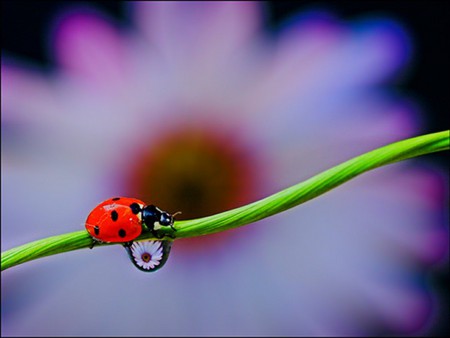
122, 219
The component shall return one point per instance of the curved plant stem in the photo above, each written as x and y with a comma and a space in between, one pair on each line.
271, 205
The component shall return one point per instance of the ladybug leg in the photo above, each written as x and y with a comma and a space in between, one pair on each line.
94, 241
160, 235
156, 234
173, 230
127, 244
170, 235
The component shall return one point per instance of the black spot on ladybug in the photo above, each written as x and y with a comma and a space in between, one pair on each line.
114, 215
135, 208
96, 230
116, 198
122, 233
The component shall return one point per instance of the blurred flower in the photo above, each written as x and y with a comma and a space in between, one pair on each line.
198, 110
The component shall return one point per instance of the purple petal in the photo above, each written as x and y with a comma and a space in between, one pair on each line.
318, 57
90, 47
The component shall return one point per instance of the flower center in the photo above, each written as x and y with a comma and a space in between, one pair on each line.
196, 171
146, 257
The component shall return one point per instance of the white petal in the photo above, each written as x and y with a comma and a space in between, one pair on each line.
152, 245
156, 258
187, 31
159, 251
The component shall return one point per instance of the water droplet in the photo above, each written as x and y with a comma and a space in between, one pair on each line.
149, 255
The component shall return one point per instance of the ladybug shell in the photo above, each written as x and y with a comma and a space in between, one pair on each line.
116, 220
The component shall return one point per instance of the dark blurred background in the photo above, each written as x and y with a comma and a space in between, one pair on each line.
25, 24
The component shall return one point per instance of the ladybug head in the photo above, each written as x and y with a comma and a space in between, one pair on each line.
165, 219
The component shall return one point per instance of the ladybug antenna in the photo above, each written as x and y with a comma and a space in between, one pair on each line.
177, 213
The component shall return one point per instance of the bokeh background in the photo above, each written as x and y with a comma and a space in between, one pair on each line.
299, 273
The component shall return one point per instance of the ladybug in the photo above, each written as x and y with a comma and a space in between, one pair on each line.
122, 219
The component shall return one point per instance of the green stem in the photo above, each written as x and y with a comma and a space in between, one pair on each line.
271, 205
